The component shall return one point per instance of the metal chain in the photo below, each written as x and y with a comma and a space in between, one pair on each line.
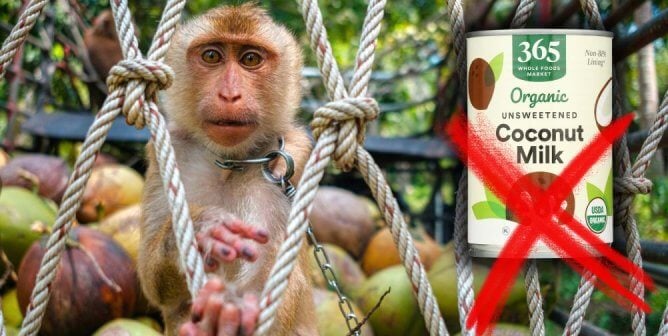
319, 252
325, 265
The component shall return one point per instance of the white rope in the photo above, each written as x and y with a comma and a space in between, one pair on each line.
663, 330
631, 182
580, 304
19, 33
133, 84
3, 332
339, 128
534, 299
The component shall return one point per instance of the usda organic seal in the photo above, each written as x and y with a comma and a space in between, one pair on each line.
543, 95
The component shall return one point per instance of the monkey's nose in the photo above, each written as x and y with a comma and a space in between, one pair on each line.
229, 97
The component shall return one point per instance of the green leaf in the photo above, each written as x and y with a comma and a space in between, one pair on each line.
492, 197
485, 210
608, 193
594, 192
57, 52
497, 66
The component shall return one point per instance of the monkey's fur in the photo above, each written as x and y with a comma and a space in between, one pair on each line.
273, 99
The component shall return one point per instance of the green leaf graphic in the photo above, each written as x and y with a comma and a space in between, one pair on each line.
485, 210
497, 66
608, 193
594, 192
492, 197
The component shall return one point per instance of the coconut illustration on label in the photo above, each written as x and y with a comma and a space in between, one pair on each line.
539, 115
543, 180
602, 111
482, 79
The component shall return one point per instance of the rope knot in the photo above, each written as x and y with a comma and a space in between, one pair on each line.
347, 119
633, 185
153, 75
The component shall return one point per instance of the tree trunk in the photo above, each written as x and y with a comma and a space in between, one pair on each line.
649, 98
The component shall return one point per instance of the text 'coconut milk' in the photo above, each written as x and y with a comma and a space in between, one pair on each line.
541, 95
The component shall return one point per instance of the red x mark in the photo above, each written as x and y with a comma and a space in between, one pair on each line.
535, 208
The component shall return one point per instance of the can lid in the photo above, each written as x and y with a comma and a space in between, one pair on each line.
534, 31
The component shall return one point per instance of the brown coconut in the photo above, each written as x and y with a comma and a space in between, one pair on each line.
83, 297
110, 188
381, 251
46, 174
340, 217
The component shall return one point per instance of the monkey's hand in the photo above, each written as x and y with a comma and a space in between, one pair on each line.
214, 315
224, 238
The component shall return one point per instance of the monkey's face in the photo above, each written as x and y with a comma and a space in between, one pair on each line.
230, 109
237, 79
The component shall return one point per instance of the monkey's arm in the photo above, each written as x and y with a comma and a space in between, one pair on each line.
157, 265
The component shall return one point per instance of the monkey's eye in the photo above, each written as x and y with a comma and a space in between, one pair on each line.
251, 59
211, 56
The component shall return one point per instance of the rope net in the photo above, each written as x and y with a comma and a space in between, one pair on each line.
339, 129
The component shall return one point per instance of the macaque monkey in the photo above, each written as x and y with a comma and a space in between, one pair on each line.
236, 91
104, 51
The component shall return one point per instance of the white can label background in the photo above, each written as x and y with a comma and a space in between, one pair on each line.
545, 95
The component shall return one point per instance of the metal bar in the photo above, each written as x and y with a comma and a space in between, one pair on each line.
565, 14
619, 13
561, 317
636, 139
481, 20
646, 34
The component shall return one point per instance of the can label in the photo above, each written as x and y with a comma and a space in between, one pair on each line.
543, 96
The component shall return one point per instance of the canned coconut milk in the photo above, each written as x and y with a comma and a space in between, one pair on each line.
543, 94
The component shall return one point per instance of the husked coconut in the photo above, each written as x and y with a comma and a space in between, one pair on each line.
342, 218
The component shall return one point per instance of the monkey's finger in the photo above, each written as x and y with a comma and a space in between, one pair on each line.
209, 322
188, 329
214, 285
260, 235
223, 252
210, 264
228, 320
249, 314
243, 250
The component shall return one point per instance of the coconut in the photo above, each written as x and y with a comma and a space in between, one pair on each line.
46, 174
95, 283
399, 313
126, 327
342, 218
22, 214
330, 320
110, 188
4, 157
603, 105
381, 252
505, 329
543, 180
150, 322
10, 309
103, 159
347, 271
481, 83
11, 331
443, 277
124, 226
